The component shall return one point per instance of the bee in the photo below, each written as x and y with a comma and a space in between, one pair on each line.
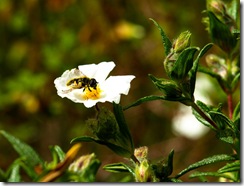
82, 82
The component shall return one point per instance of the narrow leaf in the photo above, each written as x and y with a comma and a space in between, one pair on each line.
193, 71
118, 167
123, 128
201, 119
31, 158
59, 152
237, 111
226, 135
153, 98
143, 100
205, 49
200, 174
220, 33
235, 81
166, 42
221, 120
117, 149
170, 163
206, 161
231, 167
15, 173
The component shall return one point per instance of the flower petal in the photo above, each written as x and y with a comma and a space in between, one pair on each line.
119, 84
116, 85
97, 71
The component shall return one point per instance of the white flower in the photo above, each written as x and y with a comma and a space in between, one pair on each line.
88, 84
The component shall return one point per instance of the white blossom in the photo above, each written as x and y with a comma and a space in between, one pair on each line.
88, 84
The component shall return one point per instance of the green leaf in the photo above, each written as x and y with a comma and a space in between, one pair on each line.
15, 172
170, 163
117, 149
118, 167
123, 128
221, 120
235, 81
204, 50
60, 153
166, 42
169, 88
175, 180
231, 167
200, 118
237, 111
183, 64
153, 98
226, 135
221, 34
31, 158
234, 10
201, 174
193, 71
143, 100
206, 161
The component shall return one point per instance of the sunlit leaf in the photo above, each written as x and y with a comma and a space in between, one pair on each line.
14, 173
206, 161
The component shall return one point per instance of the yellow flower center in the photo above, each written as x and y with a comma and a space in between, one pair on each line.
92, 93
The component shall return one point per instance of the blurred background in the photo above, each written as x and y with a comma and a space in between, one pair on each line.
40, 39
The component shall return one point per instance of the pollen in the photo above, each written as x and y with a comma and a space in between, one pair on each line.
92, 93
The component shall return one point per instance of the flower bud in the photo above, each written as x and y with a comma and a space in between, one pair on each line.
141, 153
82, 163
143, 172
182, 42
217, 7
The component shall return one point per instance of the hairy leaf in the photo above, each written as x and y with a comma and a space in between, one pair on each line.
226, 135
166, 42
206, 161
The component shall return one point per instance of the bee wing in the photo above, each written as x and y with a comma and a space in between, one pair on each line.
78, 73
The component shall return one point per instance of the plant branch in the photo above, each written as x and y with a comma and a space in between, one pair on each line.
194, 106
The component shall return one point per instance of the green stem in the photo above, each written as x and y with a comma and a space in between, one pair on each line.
199, 111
